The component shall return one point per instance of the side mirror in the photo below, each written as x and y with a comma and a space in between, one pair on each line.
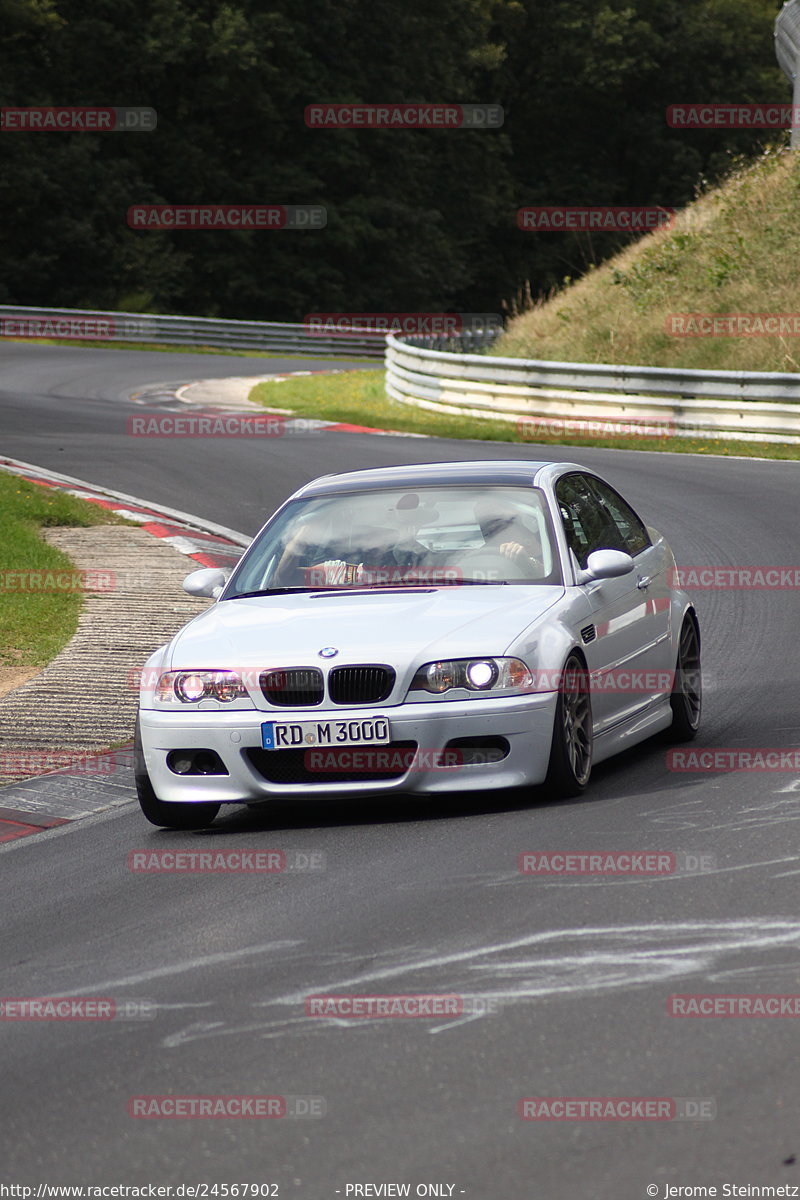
607, 564
208, 581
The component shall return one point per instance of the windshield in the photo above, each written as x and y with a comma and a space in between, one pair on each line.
432, 536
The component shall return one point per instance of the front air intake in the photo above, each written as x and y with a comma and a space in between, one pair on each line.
352, 764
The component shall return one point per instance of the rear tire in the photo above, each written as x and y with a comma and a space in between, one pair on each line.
162, 812
686, 700
571, 753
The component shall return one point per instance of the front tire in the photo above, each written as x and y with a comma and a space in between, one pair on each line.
162, 812
571, 753
686, 699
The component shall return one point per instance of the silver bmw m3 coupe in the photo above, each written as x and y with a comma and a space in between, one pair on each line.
421, 629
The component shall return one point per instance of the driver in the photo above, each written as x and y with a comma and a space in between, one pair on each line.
392, 549
504, 531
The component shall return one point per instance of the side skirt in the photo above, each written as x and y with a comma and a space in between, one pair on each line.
628, 734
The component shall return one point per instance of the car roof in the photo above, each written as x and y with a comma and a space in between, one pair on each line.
498, 472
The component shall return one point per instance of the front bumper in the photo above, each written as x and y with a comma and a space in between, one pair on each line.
526, 722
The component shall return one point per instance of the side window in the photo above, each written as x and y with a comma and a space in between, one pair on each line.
588, 525
568, 506
631, 530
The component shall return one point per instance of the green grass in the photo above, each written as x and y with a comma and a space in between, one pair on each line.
735, 250
358, 398
35, 625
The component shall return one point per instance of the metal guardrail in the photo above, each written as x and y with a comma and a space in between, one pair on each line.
462, 379
91, 324
466, 342
787, 37
787, 49
735, 404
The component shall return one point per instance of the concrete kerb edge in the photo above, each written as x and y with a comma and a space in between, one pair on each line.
190, 521
160, 516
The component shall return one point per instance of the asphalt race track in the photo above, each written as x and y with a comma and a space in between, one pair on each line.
417, 897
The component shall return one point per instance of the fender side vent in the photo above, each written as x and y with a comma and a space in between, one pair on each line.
588, 633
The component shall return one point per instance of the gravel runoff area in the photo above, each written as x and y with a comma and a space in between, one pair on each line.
85, 700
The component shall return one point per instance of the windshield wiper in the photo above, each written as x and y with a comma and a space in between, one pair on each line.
369, 587
280, 591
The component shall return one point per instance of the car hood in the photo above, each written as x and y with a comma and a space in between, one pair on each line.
396, 628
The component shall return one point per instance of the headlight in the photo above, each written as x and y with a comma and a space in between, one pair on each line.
492, 676
482, 675
438, 677
189, 687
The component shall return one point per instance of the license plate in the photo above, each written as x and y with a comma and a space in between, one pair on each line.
298, 735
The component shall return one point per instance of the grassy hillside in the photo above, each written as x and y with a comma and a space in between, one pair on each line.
736, 250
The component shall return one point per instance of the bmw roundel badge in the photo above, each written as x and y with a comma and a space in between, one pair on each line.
328, 652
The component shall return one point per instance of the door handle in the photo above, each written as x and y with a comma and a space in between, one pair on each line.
644, 582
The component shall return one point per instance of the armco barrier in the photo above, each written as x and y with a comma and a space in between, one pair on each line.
187, 331
751, 406
787, 49
742, 405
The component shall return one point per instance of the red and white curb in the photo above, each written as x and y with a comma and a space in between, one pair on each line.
14, 824
208, 544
